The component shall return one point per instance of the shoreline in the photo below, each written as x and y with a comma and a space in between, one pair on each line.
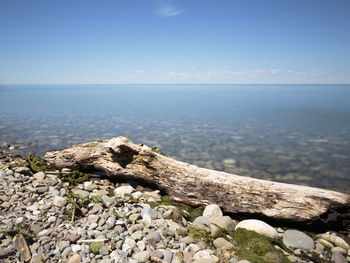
189, 228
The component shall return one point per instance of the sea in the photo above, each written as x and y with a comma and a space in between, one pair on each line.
296, 134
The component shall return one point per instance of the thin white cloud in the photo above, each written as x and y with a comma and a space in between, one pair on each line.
275, 71
166, 8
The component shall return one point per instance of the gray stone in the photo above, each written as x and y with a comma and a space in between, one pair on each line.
202, 221
225, 222
142, 256
338, 250
108, 200
63, 244
39, 175
222, 243
187, 240
75, 259
134, 228
297, 239
212, 211
81, 193
41, 189
167, 256
93, 218
103, 250
59, 201
76, 248
9, 173
137, 235
5, 252
259, 227
37, 259
338, 258
153, 238
123, 190
23, 170
110, 222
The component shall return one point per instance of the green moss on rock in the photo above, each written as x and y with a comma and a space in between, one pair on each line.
95, 247
37, 164
256, 248
200, 234
75, 177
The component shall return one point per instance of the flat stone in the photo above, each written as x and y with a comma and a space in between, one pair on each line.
259, 227
101, 192
167, 256
297, 239
137, 235
81, 193
59, 201
51, 219
23, 170
103, 250
75, 259
63, 244
123, 190
108, 200
39, 175
22, 247
142, 256
153, 238
222, 243
42, 189
76, 248
93, 218
202, 221
225, 222
187, 240
338, 258
73, 238
212, 211
338, 250
5, 252
37, 259
203, 254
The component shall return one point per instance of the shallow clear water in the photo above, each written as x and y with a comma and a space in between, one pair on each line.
290, 133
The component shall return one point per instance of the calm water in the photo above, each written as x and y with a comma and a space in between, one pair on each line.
289, 133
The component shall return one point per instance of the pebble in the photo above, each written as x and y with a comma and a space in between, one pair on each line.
222, 243
212, 211
129, 232
75, 259
297, 239
259, 227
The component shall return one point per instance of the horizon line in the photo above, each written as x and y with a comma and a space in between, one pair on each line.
2, 84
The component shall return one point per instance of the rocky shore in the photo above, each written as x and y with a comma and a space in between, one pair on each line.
47, 216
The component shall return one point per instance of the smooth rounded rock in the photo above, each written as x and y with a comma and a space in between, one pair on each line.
75, 259
259, 227
142, 256
212, 211
222, 243
59, 201
225, 222
338, 258
297, 239
123, 190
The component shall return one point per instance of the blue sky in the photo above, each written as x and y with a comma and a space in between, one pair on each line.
179, 41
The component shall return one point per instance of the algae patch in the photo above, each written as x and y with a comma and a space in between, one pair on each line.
256, 248
75, 177
95, 247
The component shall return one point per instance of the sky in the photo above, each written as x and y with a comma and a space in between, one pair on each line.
174, 41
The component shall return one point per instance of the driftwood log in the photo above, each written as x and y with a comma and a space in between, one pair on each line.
120, 158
